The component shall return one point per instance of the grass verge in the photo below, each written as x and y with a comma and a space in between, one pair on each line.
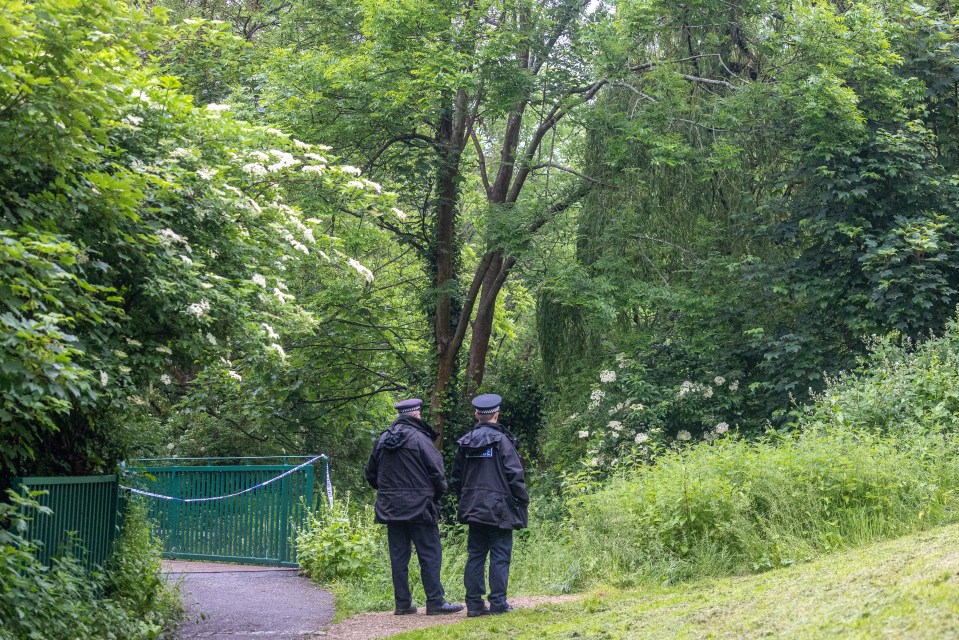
903, 588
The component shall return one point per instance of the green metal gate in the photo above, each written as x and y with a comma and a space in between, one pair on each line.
85, 518
212, 511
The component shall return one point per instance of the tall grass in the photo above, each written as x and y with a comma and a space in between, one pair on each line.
876, 455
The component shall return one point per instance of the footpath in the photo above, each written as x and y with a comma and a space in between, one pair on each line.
234, 602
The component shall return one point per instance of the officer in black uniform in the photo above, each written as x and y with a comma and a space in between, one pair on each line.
407, 472
488, 478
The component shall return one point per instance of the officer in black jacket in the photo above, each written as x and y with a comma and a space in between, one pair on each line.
407, 472
488, 478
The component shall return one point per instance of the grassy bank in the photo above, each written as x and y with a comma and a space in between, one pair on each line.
903, 588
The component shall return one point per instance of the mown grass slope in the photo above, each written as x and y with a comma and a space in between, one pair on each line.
903, 588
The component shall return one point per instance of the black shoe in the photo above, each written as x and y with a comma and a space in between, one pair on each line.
443, 609
506, 608
405, 611
476, 613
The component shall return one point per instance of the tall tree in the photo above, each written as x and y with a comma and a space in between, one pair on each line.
438, 99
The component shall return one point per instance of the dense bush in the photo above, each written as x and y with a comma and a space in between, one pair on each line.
338, 543
127, 601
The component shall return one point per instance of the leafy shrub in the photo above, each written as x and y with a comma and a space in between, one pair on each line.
338, 543
67, 602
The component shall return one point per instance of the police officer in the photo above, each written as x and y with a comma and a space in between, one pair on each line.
407, 472
488, 478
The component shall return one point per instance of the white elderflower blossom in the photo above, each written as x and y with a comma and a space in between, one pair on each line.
299, 246
260, 157
279, 350
186, 260
637, 407
615, 425
607, 376
217, 108
734, 385
180, 152
211, 338
259, 279
284, 160
273, 131
708, 392
140, 95
399, 213
134, 342
684, 435
686, 388
255, 168
282, 296
584, 434
641, 438
719, 380
162, 349
104, 378
207, 173
355, 184
302, 145
375, 186
199, 308
722, 428
131, 120
236, 376
269, 331
312, 169
353, 171
363, 271
166, 379
315, 157
597, 395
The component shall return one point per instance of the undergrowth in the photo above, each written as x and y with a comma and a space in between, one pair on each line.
128, 600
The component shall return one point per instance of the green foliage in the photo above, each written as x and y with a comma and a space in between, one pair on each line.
338, 543
128, 601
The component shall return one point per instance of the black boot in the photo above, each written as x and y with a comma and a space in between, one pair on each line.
405, 611
443, 609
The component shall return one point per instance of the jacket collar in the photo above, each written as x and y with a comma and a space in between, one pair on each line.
415, 423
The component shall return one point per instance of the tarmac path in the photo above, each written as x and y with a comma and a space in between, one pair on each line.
232, 602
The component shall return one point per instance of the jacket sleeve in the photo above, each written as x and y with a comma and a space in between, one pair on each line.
513, 470
433, 460
373, 466
457, 476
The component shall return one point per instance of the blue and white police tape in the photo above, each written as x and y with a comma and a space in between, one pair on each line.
326, 472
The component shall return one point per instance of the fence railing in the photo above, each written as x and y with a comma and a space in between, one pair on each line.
85, 520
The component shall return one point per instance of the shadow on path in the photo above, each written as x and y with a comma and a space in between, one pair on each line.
230, 602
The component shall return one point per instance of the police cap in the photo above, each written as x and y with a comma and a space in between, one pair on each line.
487, 403
408, 406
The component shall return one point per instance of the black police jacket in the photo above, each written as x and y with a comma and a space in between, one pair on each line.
407, 472
488, 478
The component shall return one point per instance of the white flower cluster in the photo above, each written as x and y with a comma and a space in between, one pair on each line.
584, 434
596, 397
684, 435
104, 378
131, 120
641, 438
284, 160
255, 168
312, 169
352, 171
279, 350
621, 360
199, 309
236, 376
166, 379
615, 425
719, 380
207, 173
269, 331
211, 338
162, 349
721, 428
734, 385
282, 296
217, 108
398, 213
607, 376
259, 279
363, 271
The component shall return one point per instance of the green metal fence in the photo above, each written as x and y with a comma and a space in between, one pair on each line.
255, 528
85, 519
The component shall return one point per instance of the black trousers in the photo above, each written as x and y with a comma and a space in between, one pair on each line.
498, 545
426, 537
